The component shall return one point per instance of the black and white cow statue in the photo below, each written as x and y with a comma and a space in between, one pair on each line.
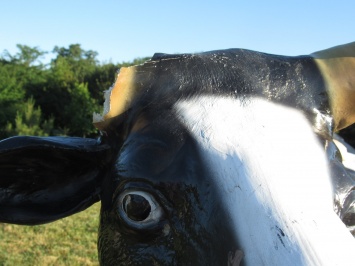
216, 158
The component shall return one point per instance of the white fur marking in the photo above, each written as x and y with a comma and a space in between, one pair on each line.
273, 175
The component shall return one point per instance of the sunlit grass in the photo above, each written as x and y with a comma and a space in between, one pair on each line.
70, 241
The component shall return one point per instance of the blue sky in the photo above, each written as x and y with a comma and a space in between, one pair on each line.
123, 30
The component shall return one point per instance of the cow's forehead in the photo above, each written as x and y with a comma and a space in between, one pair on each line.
165, 79
155, 76
132, 82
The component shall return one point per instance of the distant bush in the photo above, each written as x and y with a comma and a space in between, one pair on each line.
56, 98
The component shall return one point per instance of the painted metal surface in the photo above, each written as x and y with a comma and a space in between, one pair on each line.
203, 157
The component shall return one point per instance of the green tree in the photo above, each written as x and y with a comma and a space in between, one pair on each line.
70, 89
65, 94
78, 112
19, 73
79, 62
28, 121
12, 94
27, 56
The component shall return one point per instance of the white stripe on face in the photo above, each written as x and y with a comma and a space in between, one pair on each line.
272, 174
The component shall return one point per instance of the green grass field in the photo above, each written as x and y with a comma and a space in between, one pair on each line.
70, 241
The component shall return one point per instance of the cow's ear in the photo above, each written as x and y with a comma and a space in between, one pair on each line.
45, 179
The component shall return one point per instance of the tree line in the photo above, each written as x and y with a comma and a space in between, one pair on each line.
57, 98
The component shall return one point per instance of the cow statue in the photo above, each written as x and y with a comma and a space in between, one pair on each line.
217, 158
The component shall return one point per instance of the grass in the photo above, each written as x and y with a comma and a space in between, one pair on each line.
70, 241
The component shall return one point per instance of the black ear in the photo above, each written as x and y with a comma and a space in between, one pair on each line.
45, 179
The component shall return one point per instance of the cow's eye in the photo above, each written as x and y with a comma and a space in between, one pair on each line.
139, 209
136, 207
